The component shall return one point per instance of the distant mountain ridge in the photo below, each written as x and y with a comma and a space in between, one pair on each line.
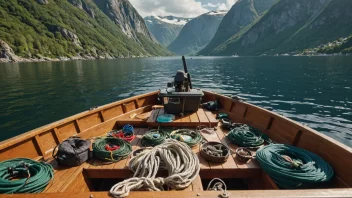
74, 28
288, 26
197, 33
165, 29
242, 13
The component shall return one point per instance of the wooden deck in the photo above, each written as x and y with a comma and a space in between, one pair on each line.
201, 117
95, 168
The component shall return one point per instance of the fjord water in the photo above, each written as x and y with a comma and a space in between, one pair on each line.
316, 91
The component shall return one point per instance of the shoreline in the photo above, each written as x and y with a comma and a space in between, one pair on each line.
47, 59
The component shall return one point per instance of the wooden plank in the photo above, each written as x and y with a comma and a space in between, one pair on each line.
57, 135
67, 130
78, 127
39, 145
101, 114
203, 119
26, 149
186, 119
230, 163
154, 115
48, 142
257, 118
282, 131
112, 112
59, 182
194, 118
210, 116
197, 185
72, 178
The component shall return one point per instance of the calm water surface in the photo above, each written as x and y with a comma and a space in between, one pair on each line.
316, 91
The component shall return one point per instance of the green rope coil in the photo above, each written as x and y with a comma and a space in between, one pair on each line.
154, 137
291, 167
100, 152
190, 137
246, 136
22, 175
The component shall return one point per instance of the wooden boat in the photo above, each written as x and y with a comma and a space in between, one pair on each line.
93, 179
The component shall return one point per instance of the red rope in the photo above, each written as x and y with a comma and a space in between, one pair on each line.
120, 135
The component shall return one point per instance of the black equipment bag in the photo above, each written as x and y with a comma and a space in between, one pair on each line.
72, 152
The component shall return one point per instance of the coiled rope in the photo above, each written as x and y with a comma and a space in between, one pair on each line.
190, 137
111, 149
127, 133
291, 167
23, 175
181, 163
247, 136
154, 137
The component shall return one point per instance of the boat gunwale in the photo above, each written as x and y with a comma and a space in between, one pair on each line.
299, 126
37, 131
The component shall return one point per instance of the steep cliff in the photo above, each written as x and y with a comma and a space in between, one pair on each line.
242, 13
291, 25
197, 33
126, 16
165, 29
70, 28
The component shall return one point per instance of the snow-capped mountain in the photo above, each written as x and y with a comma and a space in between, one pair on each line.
197, 33
165, 29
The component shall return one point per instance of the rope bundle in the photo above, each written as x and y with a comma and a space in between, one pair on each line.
190, 137
292, 167
23, 175
153, 137
100, 151
181, 163
246, 136
127, 133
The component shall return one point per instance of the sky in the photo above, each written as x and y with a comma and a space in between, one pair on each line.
180, 8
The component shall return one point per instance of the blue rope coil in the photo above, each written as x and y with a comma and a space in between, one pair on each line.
128, 130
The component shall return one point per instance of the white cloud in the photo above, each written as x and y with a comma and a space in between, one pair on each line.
227, 5
210, 5
180, 8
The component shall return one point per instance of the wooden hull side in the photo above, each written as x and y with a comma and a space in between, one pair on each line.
287, 131
203, 194
39, 143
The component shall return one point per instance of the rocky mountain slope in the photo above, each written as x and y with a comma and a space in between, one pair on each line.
291, 25
165, 29
74, 28
197, 33
242, 13
126, 16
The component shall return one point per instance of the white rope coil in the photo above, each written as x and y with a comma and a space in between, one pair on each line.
179, 160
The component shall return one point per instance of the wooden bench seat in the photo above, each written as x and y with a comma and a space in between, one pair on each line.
201, 117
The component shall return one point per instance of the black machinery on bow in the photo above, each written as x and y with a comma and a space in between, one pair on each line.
179, 97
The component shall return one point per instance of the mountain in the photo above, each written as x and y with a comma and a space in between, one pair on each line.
291, 25
74, 28
197, 33
126, 16
242, 13
165, 29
